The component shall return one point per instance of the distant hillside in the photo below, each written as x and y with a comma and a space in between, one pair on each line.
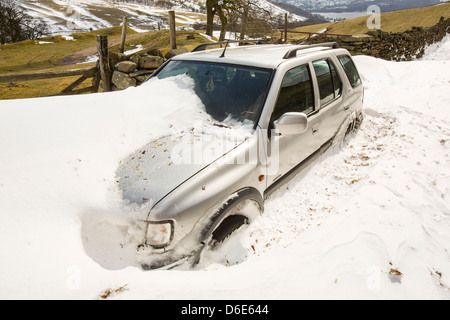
69, 16
310, 18
397, 21
356, 5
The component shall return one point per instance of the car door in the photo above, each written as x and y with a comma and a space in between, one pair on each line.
296, 94
353, 92
333, 110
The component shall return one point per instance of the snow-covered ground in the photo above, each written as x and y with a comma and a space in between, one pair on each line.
369, 220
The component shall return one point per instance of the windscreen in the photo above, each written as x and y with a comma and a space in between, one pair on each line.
229, 92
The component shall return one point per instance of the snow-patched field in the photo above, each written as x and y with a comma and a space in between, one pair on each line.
369, 220
70, 16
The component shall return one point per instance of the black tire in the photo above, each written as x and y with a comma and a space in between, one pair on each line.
230, 224
359, 121
227, 227
355, 125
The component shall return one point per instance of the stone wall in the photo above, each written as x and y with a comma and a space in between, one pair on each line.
404, 46
132, 70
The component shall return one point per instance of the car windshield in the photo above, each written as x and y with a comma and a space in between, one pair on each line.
227, 91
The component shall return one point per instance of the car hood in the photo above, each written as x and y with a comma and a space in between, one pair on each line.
150, 173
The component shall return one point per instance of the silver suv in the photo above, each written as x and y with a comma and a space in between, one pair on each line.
292, 101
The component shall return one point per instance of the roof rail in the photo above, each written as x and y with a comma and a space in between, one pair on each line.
203, 46
293, 52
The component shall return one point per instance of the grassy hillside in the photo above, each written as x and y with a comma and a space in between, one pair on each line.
396, 21
47, 53
57, 53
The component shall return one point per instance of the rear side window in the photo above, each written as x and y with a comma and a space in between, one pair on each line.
337, 84
350, 70
330, 85
296, 93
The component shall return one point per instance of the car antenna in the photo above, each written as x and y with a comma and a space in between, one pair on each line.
224, 50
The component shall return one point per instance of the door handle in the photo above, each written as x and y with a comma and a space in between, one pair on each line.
315, 129
346, 108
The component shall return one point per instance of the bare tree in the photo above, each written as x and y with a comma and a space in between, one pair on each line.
16, 25
220, 8
241, 16
254, 20
210, 13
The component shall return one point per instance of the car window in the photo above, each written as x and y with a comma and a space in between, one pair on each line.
330, 85
351, 71
337, 83
229, 92
296, 93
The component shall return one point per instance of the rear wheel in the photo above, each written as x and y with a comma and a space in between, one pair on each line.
359, 120
355, 125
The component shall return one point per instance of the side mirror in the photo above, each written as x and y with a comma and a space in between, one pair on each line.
292, 123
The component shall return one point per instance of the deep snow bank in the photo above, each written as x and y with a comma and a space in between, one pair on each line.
370, 219
58, 162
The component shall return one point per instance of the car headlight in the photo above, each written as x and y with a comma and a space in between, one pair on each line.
159, 234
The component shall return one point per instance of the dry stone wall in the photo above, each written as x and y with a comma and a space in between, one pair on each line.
404, 46
132, 70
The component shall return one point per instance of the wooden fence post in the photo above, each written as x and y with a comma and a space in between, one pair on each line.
97, 78
102, 47
172, 28
124, 35
285, 27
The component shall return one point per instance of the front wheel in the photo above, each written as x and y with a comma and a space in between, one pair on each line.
221, 246
227, 228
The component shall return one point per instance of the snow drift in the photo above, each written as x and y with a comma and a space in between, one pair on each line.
369, 220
